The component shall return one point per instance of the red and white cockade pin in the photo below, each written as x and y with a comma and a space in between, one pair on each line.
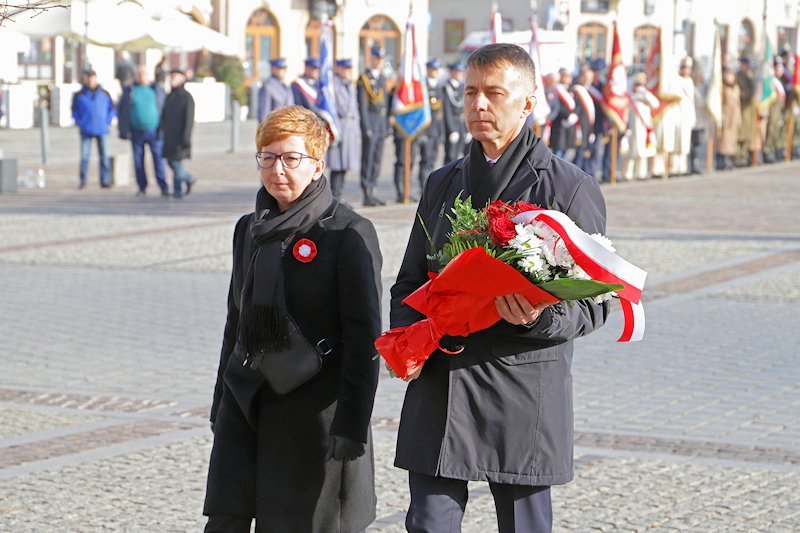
304, 250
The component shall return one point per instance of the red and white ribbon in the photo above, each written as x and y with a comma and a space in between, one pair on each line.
600, 264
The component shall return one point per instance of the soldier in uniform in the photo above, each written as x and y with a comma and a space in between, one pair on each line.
274, 92
372, 107
562, 131
431, 137
585, 110
304, 88
344, 156
455, 129
747, 138
775, 143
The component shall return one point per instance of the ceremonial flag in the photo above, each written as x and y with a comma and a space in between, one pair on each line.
661, 75
542, 108
766, 77
496, 25
411, 109
714, 88
615, 92
326, 101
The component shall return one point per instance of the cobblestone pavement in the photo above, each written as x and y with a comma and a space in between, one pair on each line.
112, 308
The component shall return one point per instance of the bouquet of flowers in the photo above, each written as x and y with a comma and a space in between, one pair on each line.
509, 249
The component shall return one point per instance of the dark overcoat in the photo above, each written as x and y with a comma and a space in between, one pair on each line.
346, 155
177, 121
268, 455
500, 411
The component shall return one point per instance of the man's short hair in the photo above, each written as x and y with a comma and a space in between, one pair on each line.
288, 121
505, 54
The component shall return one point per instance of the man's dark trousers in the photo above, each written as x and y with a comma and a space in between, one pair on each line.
140, 138
437, 506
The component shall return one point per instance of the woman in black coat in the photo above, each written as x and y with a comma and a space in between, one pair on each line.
299, 461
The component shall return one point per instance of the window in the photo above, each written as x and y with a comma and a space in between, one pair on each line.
380, 31
261, 45
649, 7
644, 39
37, 62
592, 39
453, 34
594, 6
745, 46
786, 37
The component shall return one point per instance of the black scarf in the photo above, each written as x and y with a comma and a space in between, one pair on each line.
262, 314
483, 182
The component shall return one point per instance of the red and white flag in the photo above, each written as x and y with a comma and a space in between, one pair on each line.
542, 108
496, 25
661, 75
615, 92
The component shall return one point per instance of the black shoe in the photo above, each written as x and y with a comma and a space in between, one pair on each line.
82, 185
369, 201
105, 185
140, 192
189, 185
165, 193
377, 200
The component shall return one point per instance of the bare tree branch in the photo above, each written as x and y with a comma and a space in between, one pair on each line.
9, 10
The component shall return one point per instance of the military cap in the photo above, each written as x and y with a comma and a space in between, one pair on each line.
344, 63
313, 62
457, 66
598, 64
433, 63
377, 51
278, 63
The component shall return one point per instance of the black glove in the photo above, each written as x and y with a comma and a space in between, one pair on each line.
344, 449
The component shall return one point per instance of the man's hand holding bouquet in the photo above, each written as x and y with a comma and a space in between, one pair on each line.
503, 250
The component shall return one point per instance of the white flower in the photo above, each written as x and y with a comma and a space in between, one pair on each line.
604, 241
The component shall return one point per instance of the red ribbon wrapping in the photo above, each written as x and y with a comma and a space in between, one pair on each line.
457, 302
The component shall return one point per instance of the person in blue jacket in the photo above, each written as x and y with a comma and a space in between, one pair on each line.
93, 109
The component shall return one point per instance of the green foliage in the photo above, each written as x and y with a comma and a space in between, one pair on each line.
577, 289
229, 70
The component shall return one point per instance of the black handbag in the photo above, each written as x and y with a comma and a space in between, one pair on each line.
287, 369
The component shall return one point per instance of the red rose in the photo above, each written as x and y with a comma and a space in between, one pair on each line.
502, 230
522, 207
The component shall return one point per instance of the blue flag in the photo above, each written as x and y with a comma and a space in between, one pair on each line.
326, 100
411, 109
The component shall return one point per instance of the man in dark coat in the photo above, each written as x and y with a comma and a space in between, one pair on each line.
431, 137
345, 155
455, 131
177, 121
274, 92
501, 410
372, 107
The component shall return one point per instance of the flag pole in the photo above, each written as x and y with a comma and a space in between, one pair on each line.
789, 134
614, 144
407, 171
712, 133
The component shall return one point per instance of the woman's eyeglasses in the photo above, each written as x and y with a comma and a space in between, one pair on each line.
288, 159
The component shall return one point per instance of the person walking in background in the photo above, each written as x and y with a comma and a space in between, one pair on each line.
141, 104
431, 137
299, 457
455, 131
93, 110
177, 121
731, 121
345, 155
274, 92
372, 108
304, 88
501, 410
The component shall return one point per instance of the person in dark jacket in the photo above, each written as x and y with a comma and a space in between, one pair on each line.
372, 109
177, 121
93, 110
302, 460
455, 131
304, 88
139, 111
501, 410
